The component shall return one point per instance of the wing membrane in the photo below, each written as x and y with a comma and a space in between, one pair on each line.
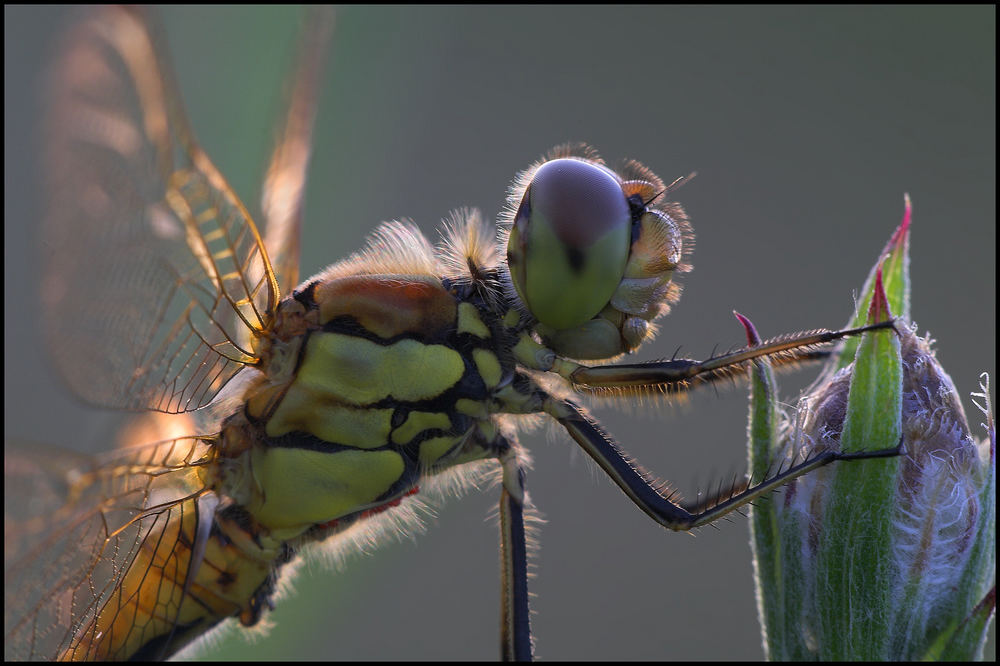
284, 184
72, 528
157, 281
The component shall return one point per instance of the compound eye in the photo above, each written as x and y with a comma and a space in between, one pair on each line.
569, 242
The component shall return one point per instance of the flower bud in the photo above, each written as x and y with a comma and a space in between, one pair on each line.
881, 558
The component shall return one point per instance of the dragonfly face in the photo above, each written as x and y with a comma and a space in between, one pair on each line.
332, 405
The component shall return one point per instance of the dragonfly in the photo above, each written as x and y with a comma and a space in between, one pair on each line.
288, 415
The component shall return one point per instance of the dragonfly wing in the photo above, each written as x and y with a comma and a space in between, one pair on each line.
73, 526
284, 185
157, 281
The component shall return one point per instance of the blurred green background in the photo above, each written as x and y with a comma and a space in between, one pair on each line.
806, 126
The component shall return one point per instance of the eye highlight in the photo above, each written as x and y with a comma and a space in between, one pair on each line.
569, 242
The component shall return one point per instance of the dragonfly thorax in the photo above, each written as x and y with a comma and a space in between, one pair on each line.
395, 378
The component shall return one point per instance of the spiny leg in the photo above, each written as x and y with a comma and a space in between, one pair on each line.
515, 626
683, 374
619, 466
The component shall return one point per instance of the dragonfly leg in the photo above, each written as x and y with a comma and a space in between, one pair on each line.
515, 626
639, 485
684, 374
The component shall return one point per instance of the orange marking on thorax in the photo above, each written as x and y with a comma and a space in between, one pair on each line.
390, 305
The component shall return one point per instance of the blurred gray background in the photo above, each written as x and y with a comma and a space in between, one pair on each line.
806, 126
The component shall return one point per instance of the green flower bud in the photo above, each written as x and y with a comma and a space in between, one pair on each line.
891, 558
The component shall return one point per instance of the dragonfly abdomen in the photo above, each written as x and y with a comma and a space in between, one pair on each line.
176, 589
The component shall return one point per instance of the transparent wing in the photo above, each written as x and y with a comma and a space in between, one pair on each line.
284, 184
157, 282
72, 528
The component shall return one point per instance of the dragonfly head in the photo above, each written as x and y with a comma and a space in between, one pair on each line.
592, 252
